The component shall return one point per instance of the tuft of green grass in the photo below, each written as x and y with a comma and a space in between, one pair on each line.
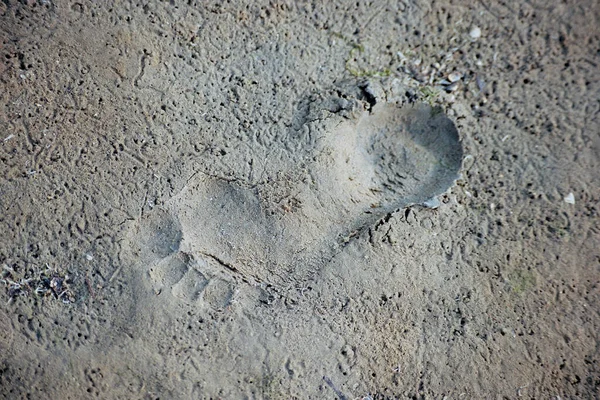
363, 73
521, 281
429, 95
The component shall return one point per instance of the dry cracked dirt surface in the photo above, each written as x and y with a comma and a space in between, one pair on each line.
299, 200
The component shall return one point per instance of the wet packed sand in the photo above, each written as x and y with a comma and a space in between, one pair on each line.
280, 200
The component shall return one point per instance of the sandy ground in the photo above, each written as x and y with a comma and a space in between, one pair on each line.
238, 199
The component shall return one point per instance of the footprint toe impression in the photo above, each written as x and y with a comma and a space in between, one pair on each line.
363, 169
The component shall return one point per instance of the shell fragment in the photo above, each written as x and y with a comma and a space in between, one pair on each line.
570, 198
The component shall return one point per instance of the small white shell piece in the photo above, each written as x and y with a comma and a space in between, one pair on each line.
570, 198
475, 33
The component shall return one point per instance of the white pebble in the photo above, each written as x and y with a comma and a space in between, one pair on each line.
454, 76
570, 198
475, 33
452, 87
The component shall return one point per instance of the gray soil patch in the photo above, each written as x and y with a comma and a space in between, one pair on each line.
294, 200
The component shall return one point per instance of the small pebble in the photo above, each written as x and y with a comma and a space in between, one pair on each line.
480, 82
432, 203
452, 87
570, 198
475, 33
454, 76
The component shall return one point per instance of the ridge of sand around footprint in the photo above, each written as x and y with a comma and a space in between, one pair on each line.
363, 169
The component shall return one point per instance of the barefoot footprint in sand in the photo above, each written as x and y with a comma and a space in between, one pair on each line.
214, 234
